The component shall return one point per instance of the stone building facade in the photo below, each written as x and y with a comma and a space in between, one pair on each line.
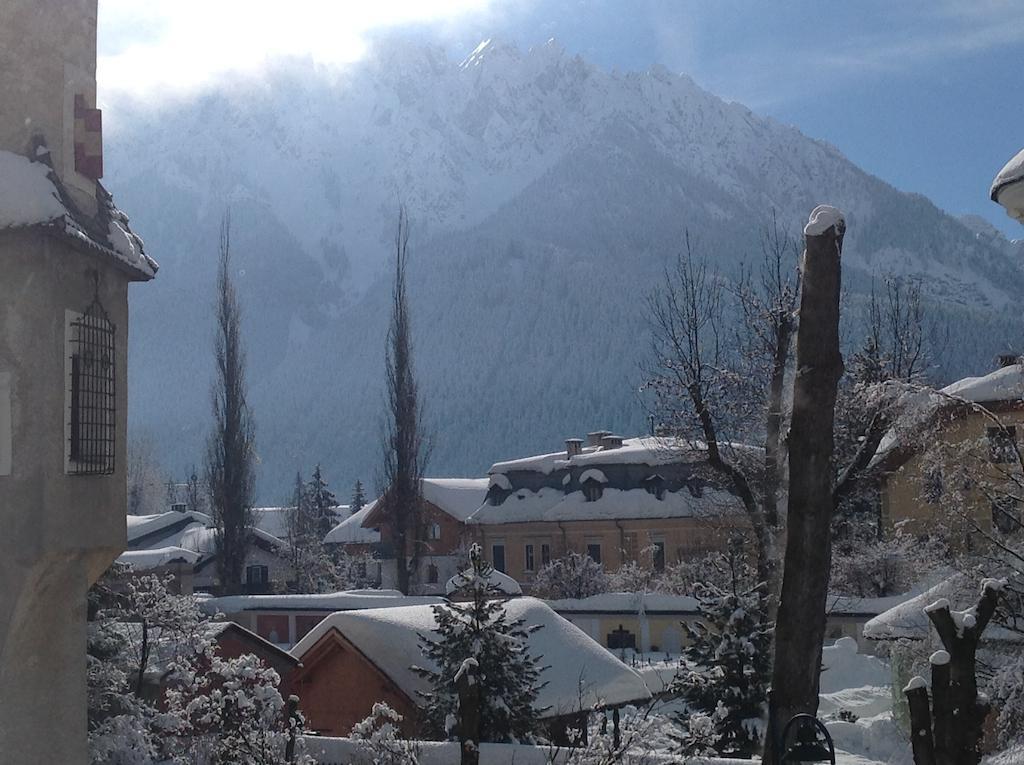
67, 257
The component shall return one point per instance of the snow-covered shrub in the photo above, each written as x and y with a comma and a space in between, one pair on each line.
728, 663
637, 745
480, 629
143, 639
574, 575
380, 738
699, 736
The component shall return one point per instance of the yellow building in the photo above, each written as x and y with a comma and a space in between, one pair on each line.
952, 466
617, 500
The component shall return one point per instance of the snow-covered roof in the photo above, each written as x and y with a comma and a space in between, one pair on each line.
1004, 385
580, 674
548, 504
141, 560
504, 584
351, 531
458, 497
274, 520
189, 530
634, 451
627, 603
30, 196
909, 619
344, 600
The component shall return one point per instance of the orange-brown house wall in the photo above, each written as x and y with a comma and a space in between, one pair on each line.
338, 686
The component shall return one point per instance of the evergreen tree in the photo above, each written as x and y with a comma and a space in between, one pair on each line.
358, 497
481, 629
321, 503
729, 660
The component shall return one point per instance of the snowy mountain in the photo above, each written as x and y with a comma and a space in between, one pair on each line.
547, 195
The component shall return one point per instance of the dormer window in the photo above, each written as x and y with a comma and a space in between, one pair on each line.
655, 485
592, 490
91, 421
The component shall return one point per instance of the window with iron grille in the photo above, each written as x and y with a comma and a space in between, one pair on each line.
91, 392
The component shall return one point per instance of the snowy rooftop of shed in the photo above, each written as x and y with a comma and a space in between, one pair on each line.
30, 196
548, 504
627, 603
351, 530
141, 560
274, 520
909, 620
344, 600
580, 672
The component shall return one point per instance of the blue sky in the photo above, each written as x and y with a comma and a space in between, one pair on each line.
926, 95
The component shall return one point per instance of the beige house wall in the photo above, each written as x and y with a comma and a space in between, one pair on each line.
621, 541
903, 500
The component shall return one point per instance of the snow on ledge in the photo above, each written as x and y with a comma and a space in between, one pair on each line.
824, 217
939, 658
29, 196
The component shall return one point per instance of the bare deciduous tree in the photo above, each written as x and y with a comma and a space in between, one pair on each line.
714, 389
230, 456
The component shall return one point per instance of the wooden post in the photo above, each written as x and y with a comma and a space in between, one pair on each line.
800, 625
468, 685
294, 725
616, 733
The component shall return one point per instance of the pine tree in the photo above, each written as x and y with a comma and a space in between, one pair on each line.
729, 660
321, 503
358, 497
481, 629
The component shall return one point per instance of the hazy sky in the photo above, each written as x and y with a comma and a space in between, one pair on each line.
926, 94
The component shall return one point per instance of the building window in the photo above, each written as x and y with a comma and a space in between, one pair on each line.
1002, 444
659, 555
498, 557
655, 485
435, 531
179, 507
432, 574
528, 558
621, 639
592, 490
545, 554
594, 551
1006, 514
91, 421
257, 574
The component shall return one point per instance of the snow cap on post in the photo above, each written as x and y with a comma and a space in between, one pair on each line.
824, 217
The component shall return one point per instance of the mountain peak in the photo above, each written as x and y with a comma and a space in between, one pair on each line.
491, 49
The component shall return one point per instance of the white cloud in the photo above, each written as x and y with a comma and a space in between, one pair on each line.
178, 45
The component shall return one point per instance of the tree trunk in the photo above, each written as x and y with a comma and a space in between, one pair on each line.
800, 627
957, 715
468, 685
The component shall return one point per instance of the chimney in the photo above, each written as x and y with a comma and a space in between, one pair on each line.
594, 439
1007, 360
611, 442
573, 446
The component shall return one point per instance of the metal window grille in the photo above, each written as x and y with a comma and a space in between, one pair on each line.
93, 412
